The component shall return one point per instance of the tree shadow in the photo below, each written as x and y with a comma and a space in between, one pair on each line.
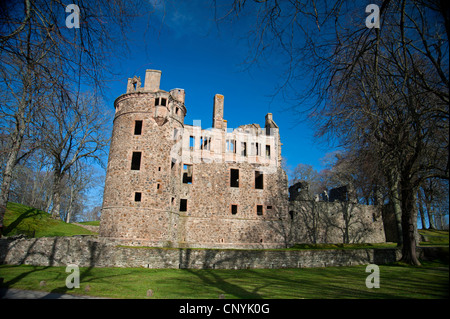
27, 214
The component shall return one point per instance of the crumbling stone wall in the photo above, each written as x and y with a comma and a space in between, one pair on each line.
89, 251
337, 222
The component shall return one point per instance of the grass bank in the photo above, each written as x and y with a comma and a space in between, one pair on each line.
32, 222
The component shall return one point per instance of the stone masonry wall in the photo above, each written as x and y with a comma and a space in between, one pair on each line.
86, 251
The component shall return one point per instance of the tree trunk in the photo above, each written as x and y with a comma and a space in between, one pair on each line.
6, 184
10, 164
430, 215
421, 210
56, 196
396, 204
409, 255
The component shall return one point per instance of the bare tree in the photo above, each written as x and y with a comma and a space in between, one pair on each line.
76, 131
381, 90
38, 50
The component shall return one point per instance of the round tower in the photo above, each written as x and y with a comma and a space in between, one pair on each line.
142, 170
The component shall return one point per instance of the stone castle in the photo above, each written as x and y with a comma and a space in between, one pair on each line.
170, 184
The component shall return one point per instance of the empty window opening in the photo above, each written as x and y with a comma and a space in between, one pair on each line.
136, 161
137, 196
172, 163
158, 186
269, 207
175, 133
257, 149
291, 214
268, 151
244, 149
231, 146
160, 101
173, 200
259, 180
234, 178
187, 173
191, 142
261, 240
159, 169
183, 205
205, 143
137, 127
234, 209
177, 111
259, 210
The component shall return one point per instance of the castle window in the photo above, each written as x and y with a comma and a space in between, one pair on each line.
136, 161
244, 149
191, 142
231, 146
160, 101
205, 143
234, 209
234, 177
269, 207
259, 180
259, 210
137, 127
187, 173
268, 151
137, 196
291, 214
183, 205
175, 133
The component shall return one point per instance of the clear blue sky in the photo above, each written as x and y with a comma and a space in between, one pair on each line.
203, 58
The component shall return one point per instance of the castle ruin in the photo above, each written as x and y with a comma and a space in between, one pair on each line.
170, 184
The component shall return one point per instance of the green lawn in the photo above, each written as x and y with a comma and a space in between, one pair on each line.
21, 219
396, 281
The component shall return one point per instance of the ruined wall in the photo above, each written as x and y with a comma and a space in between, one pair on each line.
210, 220
337, 222
88, 251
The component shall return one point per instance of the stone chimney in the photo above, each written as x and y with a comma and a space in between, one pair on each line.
152, 80
218, 111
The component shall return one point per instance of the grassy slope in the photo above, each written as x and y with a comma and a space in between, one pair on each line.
434, 237
21, 219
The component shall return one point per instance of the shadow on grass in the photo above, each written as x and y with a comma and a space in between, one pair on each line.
14, 225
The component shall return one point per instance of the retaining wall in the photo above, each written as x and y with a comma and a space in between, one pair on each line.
87, 251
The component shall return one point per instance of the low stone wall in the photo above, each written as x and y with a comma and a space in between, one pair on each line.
87, 251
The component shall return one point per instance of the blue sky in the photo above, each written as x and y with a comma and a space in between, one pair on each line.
203, 58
